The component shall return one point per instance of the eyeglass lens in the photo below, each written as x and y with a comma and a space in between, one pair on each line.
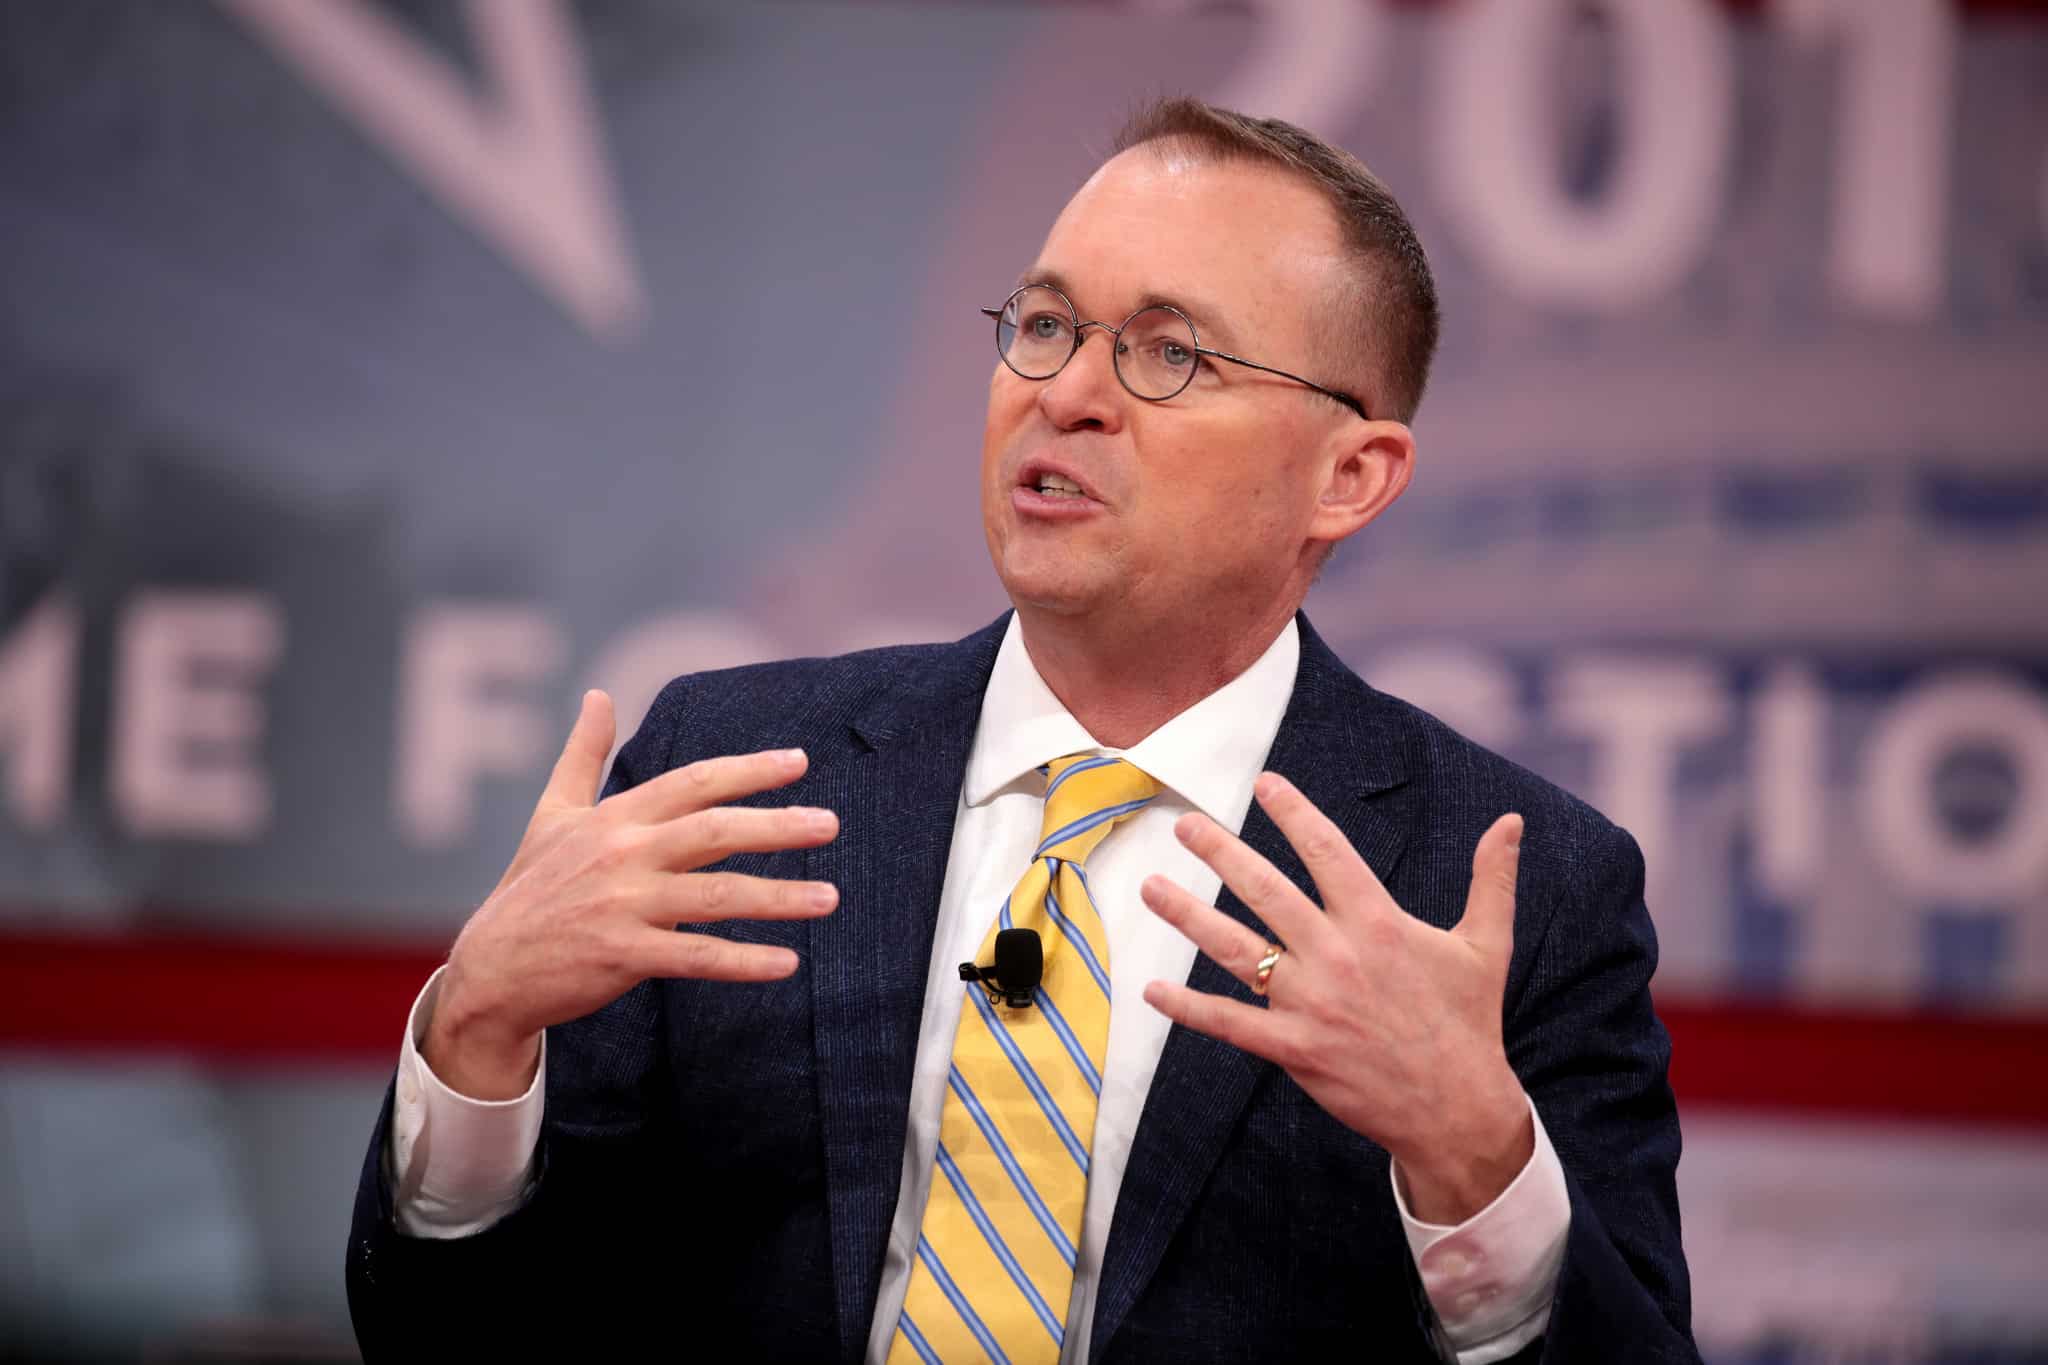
1154, 351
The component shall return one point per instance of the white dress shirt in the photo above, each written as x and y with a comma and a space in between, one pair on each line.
1490, 1278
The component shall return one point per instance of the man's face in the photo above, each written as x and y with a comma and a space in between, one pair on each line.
1197, 506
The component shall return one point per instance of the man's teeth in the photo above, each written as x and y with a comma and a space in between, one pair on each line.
1053, 483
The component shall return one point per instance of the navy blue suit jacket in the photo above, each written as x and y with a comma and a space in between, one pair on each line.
720, 1162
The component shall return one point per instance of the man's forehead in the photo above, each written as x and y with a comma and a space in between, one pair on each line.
1224, 241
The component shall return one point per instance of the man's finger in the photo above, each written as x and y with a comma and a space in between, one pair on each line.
1258, 1031
579, 772
1259, 884
710, 782
1235, 948
703, 958
701, 897
700, 839
1489, 920
1348, 883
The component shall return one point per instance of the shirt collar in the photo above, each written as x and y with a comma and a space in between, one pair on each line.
1209, 753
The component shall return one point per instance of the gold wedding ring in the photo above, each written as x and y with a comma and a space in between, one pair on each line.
1264, 974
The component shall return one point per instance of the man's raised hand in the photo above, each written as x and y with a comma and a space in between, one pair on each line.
1392, 1025
589, 906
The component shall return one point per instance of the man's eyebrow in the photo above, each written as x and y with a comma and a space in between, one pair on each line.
1209, 321
1040, 275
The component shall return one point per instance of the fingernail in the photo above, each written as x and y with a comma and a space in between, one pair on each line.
824, 897
822, 821
791, 755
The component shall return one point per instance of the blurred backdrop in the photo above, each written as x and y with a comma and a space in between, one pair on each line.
374, 376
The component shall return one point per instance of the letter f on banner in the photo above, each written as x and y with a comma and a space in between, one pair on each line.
522, 165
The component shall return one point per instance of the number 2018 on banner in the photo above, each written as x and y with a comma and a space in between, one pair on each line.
1675, 95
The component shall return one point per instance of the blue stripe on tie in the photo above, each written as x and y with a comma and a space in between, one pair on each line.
1074, 1048
958, 1181
916, 1339
1099, 761
959, 1301
1088, 822
987, 1125
1030, 1078
1072, 931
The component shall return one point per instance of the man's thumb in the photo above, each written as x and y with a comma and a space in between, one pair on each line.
1489, 921
580, 769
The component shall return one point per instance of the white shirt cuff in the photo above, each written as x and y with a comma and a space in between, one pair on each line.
1492, 1277
457, 1165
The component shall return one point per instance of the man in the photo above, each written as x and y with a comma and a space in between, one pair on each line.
1377, 1079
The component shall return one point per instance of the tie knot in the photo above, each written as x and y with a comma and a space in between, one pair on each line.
1084, 795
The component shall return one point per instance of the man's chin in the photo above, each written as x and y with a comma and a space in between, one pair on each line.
1055, 591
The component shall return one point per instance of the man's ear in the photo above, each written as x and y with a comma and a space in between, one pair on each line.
1369, 467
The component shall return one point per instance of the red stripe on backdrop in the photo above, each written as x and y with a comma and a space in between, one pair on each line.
243, 1002
234, 1000
1975, 1068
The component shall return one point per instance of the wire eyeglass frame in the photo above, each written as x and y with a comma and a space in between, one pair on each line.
1080, 329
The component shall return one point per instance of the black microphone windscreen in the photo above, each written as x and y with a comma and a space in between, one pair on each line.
1020, 960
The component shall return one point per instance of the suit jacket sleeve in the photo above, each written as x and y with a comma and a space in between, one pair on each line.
552, 1275
1593, 1056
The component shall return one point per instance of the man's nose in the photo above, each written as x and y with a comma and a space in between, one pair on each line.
1086, 391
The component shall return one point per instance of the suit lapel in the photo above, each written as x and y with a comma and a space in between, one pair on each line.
896, 795
1342, 744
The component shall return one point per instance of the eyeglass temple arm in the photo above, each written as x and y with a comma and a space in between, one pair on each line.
1346, 399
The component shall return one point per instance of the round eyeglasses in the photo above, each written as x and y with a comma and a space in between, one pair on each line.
1155, 352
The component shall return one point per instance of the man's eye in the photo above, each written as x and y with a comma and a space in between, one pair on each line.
1175, 354
1046, 327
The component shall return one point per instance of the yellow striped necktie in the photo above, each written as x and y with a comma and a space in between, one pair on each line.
995, 1256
